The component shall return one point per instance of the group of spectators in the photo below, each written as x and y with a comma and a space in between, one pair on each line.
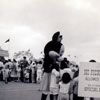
21, 71
56, 74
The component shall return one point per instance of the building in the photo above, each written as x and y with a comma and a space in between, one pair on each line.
3, 54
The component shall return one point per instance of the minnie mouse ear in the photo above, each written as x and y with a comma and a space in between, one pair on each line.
55, 36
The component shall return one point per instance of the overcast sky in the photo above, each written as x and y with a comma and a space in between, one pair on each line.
30, 24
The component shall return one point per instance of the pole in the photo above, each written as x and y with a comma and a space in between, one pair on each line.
9, 48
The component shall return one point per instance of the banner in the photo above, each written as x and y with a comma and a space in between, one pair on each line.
89, 79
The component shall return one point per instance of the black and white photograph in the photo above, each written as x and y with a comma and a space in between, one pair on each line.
49, 49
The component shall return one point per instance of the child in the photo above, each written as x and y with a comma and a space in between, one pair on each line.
39, 71
26, 73
65, 87
6, 74
18, 73
64, 68
54, 84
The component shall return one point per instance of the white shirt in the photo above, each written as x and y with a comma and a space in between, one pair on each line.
39, 67
6, 72
54, 78
64, 88
1, 64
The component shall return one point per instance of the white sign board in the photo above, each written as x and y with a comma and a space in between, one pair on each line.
89, 79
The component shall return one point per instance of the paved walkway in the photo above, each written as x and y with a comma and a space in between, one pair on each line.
20, 91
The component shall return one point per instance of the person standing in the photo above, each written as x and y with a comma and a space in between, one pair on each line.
18, 73
65, 87
54, 84
6, 74
24, 63
39, 71
14, 70
53, 51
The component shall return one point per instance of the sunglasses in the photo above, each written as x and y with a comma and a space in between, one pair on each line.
60, 36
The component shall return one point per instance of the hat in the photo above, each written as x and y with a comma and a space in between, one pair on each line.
92, 60
55, 36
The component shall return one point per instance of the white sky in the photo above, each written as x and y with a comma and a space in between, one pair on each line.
30, 24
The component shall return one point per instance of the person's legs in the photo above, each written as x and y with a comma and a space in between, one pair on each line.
44, 96
45, 85
75, 97
91, 98
6, 81
55, 97
51, 96
80, 98
62, 97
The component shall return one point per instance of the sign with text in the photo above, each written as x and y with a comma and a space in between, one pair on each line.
89, 79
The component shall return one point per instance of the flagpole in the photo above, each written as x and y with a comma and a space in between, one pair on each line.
9, 48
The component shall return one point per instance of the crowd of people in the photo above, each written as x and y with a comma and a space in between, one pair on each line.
57, 76
22, 71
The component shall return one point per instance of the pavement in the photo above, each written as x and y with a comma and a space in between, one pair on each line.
21, 91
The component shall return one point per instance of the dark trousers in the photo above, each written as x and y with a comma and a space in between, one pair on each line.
75, 97
91, 98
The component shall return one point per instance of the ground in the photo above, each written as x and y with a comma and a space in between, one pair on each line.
20, 91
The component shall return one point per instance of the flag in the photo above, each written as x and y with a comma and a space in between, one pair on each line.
7, 40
